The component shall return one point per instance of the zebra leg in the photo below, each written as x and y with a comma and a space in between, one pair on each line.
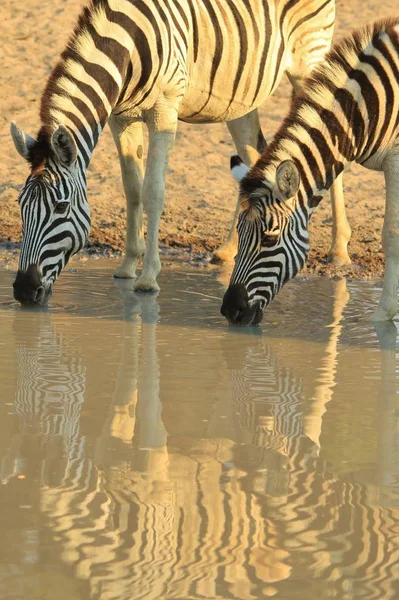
249, 141
341, 231
128, 137
388, 304
162, 130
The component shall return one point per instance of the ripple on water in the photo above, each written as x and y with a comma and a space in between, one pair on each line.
305, 309
192, 297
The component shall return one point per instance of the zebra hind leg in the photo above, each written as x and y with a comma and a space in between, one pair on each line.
388, 304
341, 231
162, 131
128, 137
250, 143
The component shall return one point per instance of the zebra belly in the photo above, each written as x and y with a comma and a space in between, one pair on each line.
200, 106
375, 161
214, 112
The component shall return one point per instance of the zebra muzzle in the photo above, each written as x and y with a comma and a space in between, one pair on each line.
28, 288
238, 309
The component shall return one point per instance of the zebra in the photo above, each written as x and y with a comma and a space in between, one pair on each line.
134, 62
348, 112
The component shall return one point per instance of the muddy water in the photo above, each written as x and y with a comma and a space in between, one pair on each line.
147, 451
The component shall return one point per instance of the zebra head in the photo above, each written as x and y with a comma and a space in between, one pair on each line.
272, 240
55, 213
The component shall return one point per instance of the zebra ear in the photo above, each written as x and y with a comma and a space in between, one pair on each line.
287, 179
238, 168
64, 146
22, 141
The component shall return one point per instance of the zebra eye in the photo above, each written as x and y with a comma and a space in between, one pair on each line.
270, 238
61, 207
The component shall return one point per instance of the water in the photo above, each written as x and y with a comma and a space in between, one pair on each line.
149, 451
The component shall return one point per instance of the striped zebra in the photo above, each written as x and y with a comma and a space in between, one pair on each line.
348, 112
135, 62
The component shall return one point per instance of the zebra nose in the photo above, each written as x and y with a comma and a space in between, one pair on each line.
28, 289
235, 306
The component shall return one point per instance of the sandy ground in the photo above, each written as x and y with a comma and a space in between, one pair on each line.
200, 192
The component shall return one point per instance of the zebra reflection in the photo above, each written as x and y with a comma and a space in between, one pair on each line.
318, 526
246, 511
48, 402
388, 432
273, 413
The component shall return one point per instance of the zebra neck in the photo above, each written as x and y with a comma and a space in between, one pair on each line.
318, 180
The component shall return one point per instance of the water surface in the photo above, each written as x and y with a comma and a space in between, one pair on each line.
149, 451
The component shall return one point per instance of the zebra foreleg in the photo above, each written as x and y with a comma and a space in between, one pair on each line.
341, 231
128, 137
162, 131
388, 304
249, 141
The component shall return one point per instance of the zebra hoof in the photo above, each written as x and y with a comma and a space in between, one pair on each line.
339, 260
125, 271
382, 315
146, 284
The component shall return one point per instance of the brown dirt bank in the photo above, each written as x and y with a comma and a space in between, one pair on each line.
200, 193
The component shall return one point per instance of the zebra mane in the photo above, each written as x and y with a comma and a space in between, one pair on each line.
345, 53
41, 151
326, 77
84, 21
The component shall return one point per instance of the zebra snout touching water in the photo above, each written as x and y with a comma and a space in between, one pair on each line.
348, 112
28, 287
238, 309
133, 63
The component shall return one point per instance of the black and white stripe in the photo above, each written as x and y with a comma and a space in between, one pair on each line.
267, 249
156, 62
56, 223
348, 112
